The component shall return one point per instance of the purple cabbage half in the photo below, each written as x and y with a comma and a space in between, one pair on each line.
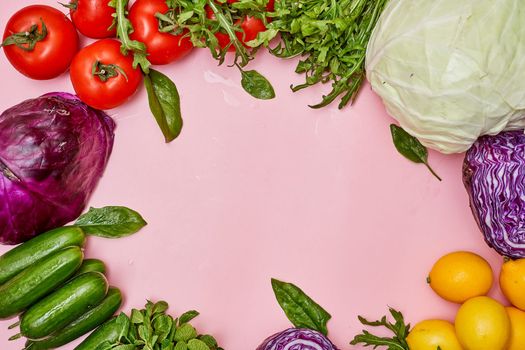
53, 150
297, 339
494, 176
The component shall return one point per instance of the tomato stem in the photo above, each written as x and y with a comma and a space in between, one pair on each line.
73, 5
27, 40
106, 71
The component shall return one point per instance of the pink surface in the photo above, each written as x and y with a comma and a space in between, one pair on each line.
259, 189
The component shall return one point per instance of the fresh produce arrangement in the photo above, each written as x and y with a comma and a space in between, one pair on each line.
481, 323
448, 72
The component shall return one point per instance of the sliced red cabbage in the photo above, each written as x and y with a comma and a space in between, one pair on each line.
297, 339
494, 176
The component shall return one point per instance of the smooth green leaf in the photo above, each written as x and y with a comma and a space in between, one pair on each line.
164, 102
110, 222
122, 323
160, 307
196, 344
124, 347
106, 345
188, 316
257, 85
410, 147
136, 316
300, 309
185, 332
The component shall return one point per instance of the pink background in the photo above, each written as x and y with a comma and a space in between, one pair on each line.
259, 189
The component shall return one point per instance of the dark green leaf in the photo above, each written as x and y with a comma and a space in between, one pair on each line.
257, 85
188, 316
410, 147
104, 346
136, 316
300, 309
110, 222
124, 347
122, 323
164, 102
209, 340
399, 329
160, 307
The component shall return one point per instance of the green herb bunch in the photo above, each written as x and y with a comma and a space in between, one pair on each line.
153, 329
331, 36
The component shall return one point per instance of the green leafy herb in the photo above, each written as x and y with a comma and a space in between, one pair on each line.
256, 85
151, 328
300, 309
203, 19
27, 40
164, 102
332, 36
124, 28
410, 147
399, 329
110, 222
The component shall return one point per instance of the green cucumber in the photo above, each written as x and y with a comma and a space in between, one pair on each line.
63, 306
109, 332
85, 323
38, 280
28, 253
91, 265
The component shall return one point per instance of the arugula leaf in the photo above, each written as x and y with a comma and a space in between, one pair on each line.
110, 222
399, 329
300, 309
410, 147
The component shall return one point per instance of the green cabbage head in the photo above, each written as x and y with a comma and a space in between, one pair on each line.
451, 70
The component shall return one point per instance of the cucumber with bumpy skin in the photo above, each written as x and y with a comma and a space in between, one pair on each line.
85, 323
38, 280
34, 250
64, 306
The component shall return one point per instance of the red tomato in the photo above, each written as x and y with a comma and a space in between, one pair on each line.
104, 91
51, 55
250, 26
163, 48
93, 18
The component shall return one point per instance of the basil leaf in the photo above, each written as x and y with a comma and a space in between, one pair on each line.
188, 316
410, 147
110, 222
300, 309
164, 102
256, 85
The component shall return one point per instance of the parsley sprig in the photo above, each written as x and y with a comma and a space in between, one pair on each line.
399, 329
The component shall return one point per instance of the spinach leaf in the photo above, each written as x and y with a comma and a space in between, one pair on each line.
256, 84
110, 222
300, 309
164, 102
410, 147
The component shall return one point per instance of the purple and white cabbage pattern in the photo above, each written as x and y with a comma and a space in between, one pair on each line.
297, 339
494, 176
53, 150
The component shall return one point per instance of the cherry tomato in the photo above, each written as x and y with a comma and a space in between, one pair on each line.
93, 18
40, 42
114, 80
250, 26
163, 48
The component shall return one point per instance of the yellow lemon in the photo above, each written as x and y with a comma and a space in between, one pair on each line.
517, 325
431, 334
459, 276
482, 324
512, 282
